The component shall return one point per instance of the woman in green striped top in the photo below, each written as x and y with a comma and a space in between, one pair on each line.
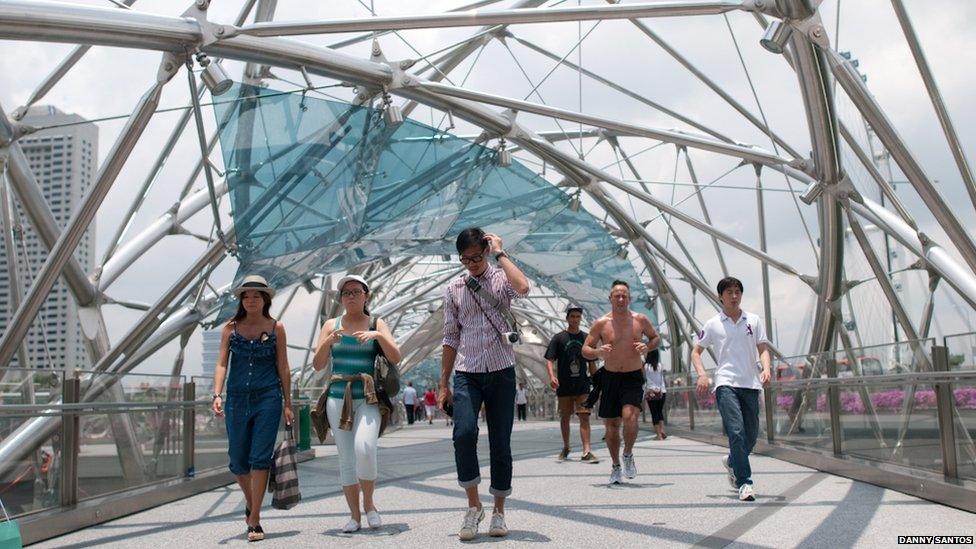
351, 347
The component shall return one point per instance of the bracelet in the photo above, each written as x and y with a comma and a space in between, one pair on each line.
215, 397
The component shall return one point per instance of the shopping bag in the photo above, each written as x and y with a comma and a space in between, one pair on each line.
283, 478
9, 532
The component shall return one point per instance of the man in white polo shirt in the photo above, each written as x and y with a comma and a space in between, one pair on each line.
739, 341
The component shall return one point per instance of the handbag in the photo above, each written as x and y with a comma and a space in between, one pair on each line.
283, 477
9, 532
386, 374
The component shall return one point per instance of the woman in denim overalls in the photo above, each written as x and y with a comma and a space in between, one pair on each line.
259, 380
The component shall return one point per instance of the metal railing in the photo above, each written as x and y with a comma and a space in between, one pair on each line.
916, 422
152, 430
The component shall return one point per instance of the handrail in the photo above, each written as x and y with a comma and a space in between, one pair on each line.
859, 351
941, 379
17, 410
956, 376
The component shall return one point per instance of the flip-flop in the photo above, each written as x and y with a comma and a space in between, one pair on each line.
255, 533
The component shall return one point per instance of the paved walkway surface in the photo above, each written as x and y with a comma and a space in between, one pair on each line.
679, 498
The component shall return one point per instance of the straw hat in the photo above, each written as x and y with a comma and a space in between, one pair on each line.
254, 282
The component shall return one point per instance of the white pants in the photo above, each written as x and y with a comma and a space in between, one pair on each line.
357, 448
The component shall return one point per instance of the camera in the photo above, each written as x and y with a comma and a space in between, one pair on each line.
512, 338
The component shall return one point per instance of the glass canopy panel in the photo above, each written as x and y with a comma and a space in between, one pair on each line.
319, 186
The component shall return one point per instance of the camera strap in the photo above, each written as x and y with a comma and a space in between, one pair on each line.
478, 290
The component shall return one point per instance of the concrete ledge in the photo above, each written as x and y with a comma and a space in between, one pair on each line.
960, 494
50, 523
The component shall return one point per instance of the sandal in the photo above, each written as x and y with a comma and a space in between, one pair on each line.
255, 533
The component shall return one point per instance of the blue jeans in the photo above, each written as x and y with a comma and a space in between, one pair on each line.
739, 408
252, 421
497, 391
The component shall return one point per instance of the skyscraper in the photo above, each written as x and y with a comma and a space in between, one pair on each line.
64, 161
211, 350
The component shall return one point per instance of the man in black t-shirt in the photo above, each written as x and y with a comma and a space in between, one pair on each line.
569, 375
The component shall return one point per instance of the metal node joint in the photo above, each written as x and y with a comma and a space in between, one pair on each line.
589, 184
767, 7
515, 131
168, 67
398, 77
844, 190
209, 32
501, 33
810, 281
16, 131
805, 165
812, 28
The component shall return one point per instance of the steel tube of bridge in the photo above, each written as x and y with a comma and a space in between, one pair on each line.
958, 276
751, 154
496, 17
133, 249
958, 153
62, 250
813, 76
28, 192
848, 78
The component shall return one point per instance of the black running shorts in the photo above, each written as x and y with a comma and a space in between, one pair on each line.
620, 388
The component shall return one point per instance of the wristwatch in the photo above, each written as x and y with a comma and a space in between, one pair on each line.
500, 255
215, 397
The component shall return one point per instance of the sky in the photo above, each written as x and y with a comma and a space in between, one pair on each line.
109, 81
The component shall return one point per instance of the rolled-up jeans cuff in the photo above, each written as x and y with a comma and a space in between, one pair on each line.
500, 493
469, 483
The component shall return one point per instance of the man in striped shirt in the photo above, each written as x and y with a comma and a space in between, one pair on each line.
484, 365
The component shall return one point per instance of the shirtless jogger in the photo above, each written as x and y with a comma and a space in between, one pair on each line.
617, 339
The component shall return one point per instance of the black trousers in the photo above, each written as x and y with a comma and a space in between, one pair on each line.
410, 409
657, 409
521, 411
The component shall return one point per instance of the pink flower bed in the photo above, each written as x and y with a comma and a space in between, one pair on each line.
891, 400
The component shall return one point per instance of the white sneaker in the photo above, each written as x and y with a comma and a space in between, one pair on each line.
746, 493
374, 519
350, 527
615, 474
728, 469
498, 528
469, 530
630, 468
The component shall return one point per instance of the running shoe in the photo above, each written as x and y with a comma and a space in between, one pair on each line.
746, 493
615, 474
589, 457
498, 528
563, 454
630, 468
731, 474
469, 530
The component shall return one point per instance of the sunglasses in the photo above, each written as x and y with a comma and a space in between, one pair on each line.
465, 260
351, 293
